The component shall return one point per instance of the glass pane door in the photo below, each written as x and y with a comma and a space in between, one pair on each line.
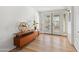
45, 22
56, 24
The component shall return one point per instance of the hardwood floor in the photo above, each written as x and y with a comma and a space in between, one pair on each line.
48, 43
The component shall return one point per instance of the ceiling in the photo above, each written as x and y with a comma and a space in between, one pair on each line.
47, 8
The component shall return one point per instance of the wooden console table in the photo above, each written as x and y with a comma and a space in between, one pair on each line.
22, 39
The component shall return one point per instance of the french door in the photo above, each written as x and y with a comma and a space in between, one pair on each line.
45, 22
55, 25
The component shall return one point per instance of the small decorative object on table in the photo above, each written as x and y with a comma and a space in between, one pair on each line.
23, 27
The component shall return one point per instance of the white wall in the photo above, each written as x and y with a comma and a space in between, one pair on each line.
76, 27
73, 30
9, 17
69, 19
